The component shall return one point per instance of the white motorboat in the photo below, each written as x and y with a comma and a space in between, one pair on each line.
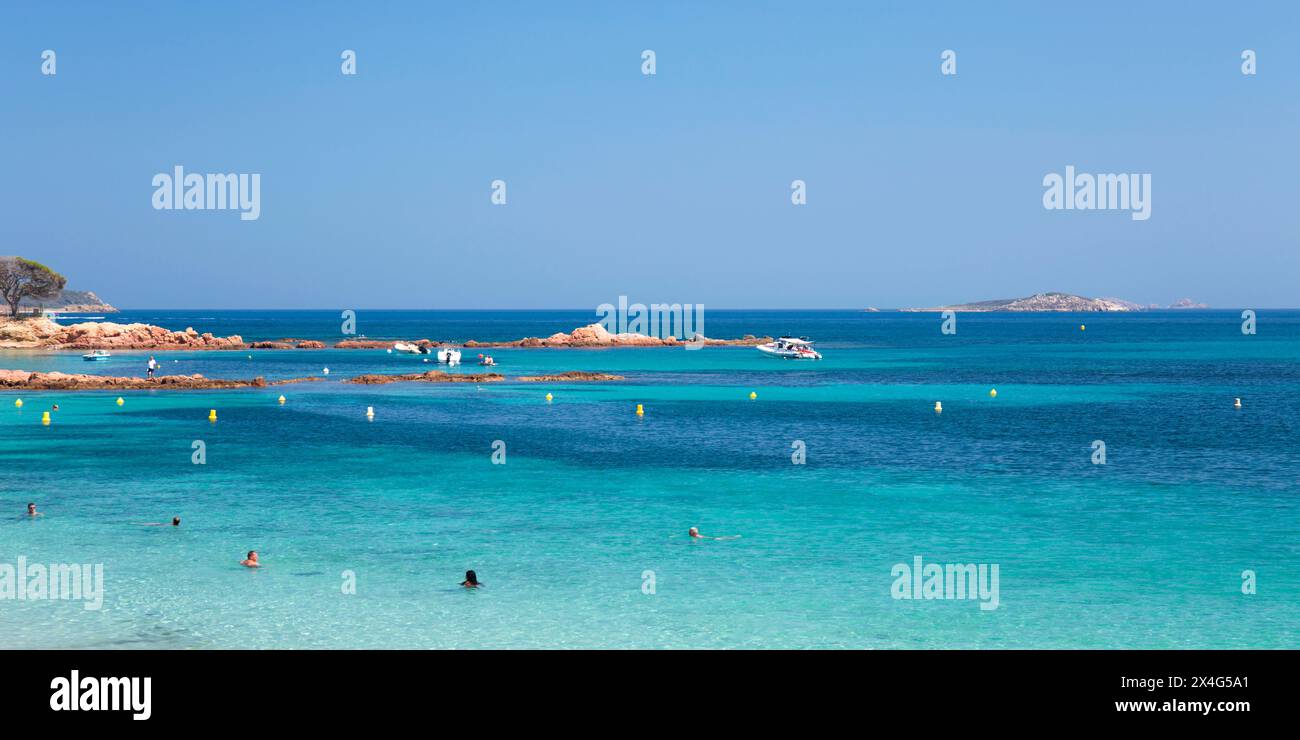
791, 348
407, 348
96, 355
449, 355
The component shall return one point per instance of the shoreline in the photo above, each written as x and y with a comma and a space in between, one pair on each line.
47, 335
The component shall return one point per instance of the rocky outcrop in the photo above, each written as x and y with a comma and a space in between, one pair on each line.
570, 377
41, 333
270, 345
21, 379
291, 381
24, 380
1187, 303
1040, 302
433, 376
288, 344
595, 335
25, 333
46, 334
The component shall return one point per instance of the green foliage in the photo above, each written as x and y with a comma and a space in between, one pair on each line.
23, 278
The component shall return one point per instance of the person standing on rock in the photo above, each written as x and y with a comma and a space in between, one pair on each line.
153, 365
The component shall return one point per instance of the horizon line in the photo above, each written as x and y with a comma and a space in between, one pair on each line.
900, 309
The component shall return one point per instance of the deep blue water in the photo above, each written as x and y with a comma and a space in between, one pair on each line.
1147, 550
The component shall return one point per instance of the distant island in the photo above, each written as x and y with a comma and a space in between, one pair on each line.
1056, 302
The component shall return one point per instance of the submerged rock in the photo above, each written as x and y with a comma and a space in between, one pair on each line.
433, 376
570, 377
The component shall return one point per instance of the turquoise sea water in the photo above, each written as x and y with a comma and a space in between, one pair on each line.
1147, 550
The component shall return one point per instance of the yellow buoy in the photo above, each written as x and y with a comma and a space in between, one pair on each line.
18, 402
1236, 403
45, 418
549, 396
752, 395
120, 401
212, 415
640, 411
281, 399
993, 393
938, 407
1082, 327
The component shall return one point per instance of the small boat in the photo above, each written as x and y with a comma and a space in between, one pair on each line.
791, 348
449, 355
96, 355
407, 348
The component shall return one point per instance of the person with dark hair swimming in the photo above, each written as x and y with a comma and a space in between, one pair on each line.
251, 561
32, 512
471, 580
176, 522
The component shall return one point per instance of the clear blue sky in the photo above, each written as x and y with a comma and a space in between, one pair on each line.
922, 189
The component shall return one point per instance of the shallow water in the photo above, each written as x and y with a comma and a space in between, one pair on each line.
1147, 550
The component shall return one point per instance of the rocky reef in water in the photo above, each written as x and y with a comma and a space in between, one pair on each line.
24, 380
571, 376
433, 376
55, 381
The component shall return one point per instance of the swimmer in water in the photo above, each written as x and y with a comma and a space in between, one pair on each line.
694, 532
471, 580
32, 512
176, 522
251, 561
